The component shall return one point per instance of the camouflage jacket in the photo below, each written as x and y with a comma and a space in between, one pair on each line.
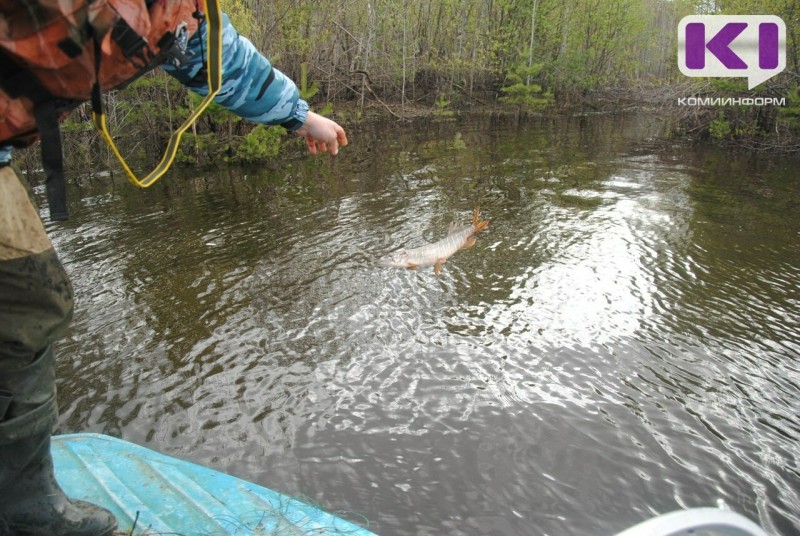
252, 88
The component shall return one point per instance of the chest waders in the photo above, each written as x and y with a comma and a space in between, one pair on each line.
35, 308
36, 304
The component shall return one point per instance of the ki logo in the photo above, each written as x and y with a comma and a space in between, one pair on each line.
752, 46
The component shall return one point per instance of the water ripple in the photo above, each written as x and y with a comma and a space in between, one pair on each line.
622, 341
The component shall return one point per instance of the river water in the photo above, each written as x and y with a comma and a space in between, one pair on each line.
622, 341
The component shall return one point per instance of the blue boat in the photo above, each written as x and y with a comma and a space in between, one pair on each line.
151, 493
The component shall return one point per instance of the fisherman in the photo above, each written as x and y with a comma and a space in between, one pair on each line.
36, 300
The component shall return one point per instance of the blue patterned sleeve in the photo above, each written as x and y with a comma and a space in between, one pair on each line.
251, 87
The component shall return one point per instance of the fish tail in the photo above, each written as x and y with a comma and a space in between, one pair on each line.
477, 223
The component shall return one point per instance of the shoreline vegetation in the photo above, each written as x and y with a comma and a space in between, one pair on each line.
403, 59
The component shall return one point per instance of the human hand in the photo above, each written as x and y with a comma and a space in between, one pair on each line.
322, 134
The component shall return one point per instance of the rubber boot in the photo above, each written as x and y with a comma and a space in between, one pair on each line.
31, 501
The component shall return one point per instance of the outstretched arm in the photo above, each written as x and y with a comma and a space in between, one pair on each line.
253, 89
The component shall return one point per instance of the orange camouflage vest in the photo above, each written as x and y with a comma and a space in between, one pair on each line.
56, 50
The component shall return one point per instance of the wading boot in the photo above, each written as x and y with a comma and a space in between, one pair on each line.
31, 501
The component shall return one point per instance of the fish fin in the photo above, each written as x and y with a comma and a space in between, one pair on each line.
470, 242
412, 266
477, 223
437, 268
452, 228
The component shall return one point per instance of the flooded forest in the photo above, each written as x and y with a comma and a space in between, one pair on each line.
621, 341
399, 59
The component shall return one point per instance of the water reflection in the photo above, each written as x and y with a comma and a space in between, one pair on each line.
621, 342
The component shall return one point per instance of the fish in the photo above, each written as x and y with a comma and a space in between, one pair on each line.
437, 253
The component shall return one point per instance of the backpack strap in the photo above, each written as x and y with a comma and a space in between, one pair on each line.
52, 158
213, 16
46, 110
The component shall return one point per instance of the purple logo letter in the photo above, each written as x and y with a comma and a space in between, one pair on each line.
719, 45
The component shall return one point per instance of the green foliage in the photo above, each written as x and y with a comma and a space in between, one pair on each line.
294, 30
720, 129
789, 115
441, 107
458, 141
215, 114
792, 107
202, 149
522, 91
728, 85
444, 54
241, 17
260, 145
307, 93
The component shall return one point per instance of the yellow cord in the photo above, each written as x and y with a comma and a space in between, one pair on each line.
214, 71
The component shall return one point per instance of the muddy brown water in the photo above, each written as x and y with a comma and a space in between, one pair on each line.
622, 341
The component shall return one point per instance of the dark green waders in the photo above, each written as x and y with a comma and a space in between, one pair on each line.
35, 308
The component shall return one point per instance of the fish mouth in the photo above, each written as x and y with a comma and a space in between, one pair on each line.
394, 260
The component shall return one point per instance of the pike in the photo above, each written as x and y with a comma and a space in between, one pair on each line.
437, 253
